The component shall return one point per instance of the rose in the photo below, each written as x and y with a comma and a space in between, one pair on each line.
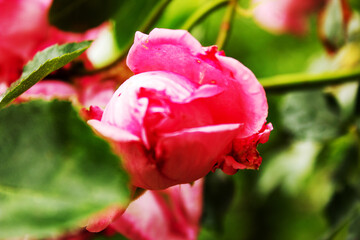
186, 111
285, 16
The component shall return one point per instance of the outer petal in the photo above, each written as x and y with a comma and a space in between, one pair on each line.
190, 154
178, 52
181, 157
113, 133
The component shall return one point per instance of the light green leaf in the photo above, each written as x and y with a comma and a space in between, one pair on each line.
41, 65
54, 172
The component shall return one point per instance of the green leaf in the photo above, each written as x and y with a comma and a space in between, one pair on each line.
80, 15
54, 172
311, 115
41, 65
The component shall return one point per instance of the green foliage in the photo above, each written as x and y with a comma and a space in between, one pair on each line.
54, 172
80, 15
41, 65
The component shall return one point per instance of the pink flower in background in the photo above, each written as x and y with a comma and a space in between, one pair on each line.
170, 214
87, 91
285, 16
50, 89
24, 31
184, 111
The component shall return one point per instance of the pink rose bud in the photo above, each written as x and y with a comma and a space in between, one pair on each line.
186, 110
285, 16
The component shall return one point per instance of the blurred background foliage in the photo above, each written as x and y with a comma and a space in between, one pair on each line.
308, 185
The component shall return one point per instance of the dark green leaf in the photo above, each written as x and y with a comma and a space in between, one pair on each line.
311, 115
80, 15
54, 172
341, 205
354, 230
355, 4
218, 195
41, 65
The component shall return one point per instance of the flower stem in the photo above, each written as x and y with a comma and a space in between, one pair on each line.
226, 24
291, 82
202, 12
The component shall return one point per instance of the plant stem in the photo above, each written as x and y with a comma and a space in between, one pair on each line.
145, 27
226, 24
202, 12
291, 82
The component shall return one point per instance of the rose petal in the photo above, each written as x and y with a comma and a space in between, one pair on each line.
112, 132
190, 154
142, 167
